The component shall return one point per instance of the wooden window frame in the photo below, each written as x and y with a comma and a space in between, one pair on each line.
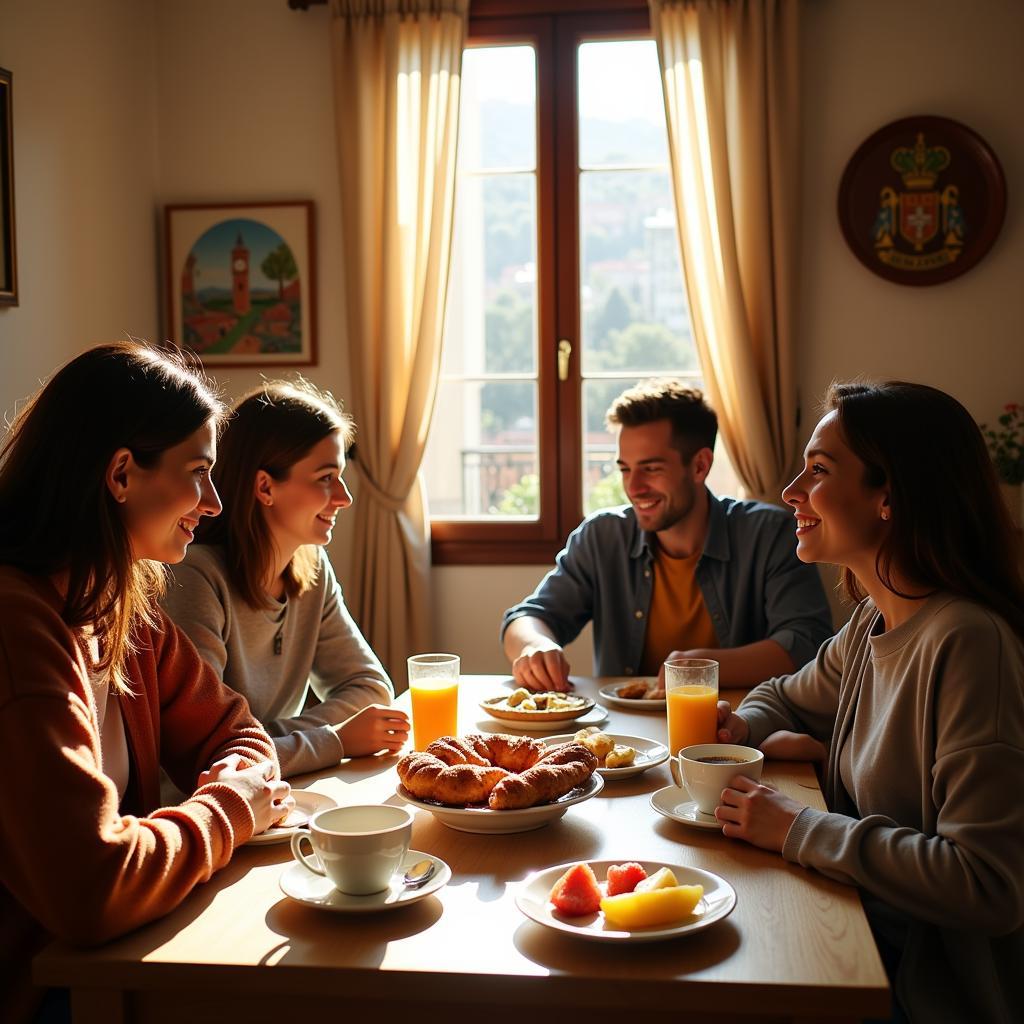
555, 29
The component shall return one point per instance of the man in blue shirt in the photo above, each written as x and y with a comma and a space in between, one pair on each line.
677, 572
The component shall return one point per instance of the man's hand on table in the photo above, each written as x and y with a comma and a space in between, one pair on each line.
542, 666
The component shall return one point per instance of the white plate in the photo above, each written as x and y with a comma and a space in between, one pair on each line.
717, 902
485, 821
595, 716
610, 694
306, 802
306, 886
649, 754
675, 803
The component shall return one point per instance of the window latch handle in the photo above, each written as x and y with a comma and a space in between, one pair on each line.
564, 351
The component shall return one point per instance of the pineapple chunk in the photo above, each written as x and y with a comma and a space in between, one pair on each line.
661, 879
649, 909
620, 756
517, 696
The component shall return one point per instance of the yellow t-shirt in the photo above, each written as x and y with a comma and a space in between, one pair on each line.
678, 619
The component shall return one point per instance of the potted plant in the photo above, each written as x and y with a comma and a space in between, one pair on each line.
1007, 451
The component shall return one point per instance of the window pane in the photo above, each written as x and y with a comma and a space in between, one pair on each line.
481, 459
633, 305
497, 117
491, 316
482, 456
622, 112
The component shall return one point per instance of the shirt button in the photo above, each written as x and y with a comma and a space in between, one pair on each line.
647, 574
638, 614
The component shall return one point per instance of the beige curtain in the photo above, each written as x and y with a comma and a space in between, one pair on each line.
396, 78
729, 72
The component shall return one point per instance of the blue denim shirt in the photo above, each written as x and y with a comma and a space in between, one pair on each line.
754, 586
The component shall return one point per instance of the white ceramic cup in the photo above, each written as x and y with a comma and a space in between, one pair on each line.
706, 780
358, 848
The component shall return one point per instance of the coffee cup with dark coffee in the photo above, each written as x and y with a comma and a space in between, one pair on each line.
705, 769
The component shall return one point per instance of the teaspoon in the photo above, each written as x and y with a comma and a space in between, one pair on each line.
419, 874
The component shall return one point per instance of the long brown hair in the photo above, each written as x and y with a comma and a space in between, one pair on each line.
950, 528
57, 514
271, 428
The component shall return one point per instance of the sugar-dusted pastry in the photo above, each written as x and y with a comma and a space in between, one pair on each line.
620, 756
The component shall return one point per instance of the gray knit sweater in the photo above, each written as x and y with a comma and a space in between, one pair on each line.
274, 657
925, 789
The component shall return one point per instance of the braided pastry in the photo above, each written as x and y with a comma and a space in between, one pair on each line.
551, 777
468, 769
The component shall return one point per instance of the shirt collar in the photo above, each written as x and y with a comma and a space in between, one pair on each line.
716, 544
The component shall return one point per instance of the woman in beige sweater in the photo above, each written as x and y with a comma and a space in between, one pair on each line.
919, 700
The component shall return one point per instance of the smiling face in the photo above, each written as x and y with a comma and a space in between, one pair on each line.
161, 506
840, 519
302, 508
661, 488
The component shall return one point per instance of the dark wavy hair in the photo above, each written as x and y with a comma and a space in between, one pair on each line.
271, 428
57, 514
694, 422
950, 528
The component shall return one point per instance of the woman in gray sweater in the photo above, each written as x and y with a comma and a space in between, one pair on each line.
257, 594
919, 700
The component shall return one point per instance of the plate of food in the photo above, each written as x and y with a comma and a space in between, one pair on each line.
485, 821
635, 901
306, 803
642, 693
523, 707
618, 756
497, 783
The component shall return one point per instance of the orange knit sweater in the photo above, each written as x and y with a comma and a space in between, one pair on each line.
73, 864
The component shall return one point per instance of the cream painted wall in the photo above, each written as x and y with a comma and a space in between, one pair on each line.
865, 63
85, 167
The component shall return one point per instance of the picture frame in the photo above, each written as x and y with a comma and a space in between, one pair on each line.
922, 200
8, 248
241, 282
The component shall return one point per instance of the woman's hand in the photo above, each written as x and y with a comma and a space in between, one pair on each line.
759, 814
793, 746
376, 727
731, 728
269, 799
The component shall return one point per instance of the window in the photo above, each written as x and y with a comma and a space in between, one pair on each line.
565, 288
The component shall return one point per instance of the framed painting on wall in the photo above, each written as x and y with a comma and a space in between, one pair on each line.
8, 253
241, 282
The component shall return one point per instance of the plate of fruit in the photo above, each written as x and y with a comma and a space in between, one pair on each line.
618, 756
609, 901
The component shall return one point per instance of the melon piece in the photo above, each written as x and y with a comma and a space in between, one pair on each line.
576, 893
624, 877
661, 879
650, 909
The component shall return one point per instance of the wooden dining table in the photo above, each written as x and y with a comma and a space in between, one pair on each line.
796, 947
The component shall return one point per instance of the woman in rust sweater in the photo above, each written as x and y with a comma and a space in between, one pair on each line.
103, 476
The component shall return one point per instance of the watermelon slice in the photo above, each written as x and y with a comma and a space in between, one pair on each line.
624, 878
576, 893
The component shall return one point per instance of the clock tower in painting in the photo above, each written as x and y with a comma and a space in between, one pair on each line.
240, 277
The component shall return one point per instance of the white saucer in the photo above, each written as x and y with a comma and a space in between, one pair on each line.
675, 803
595, 716
485, 821
306, 886
306, 802
717, 902
649, 754
610, 693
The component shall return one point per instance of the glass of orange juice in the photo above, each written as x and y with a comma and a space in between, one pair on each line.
434, 689
691, 696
